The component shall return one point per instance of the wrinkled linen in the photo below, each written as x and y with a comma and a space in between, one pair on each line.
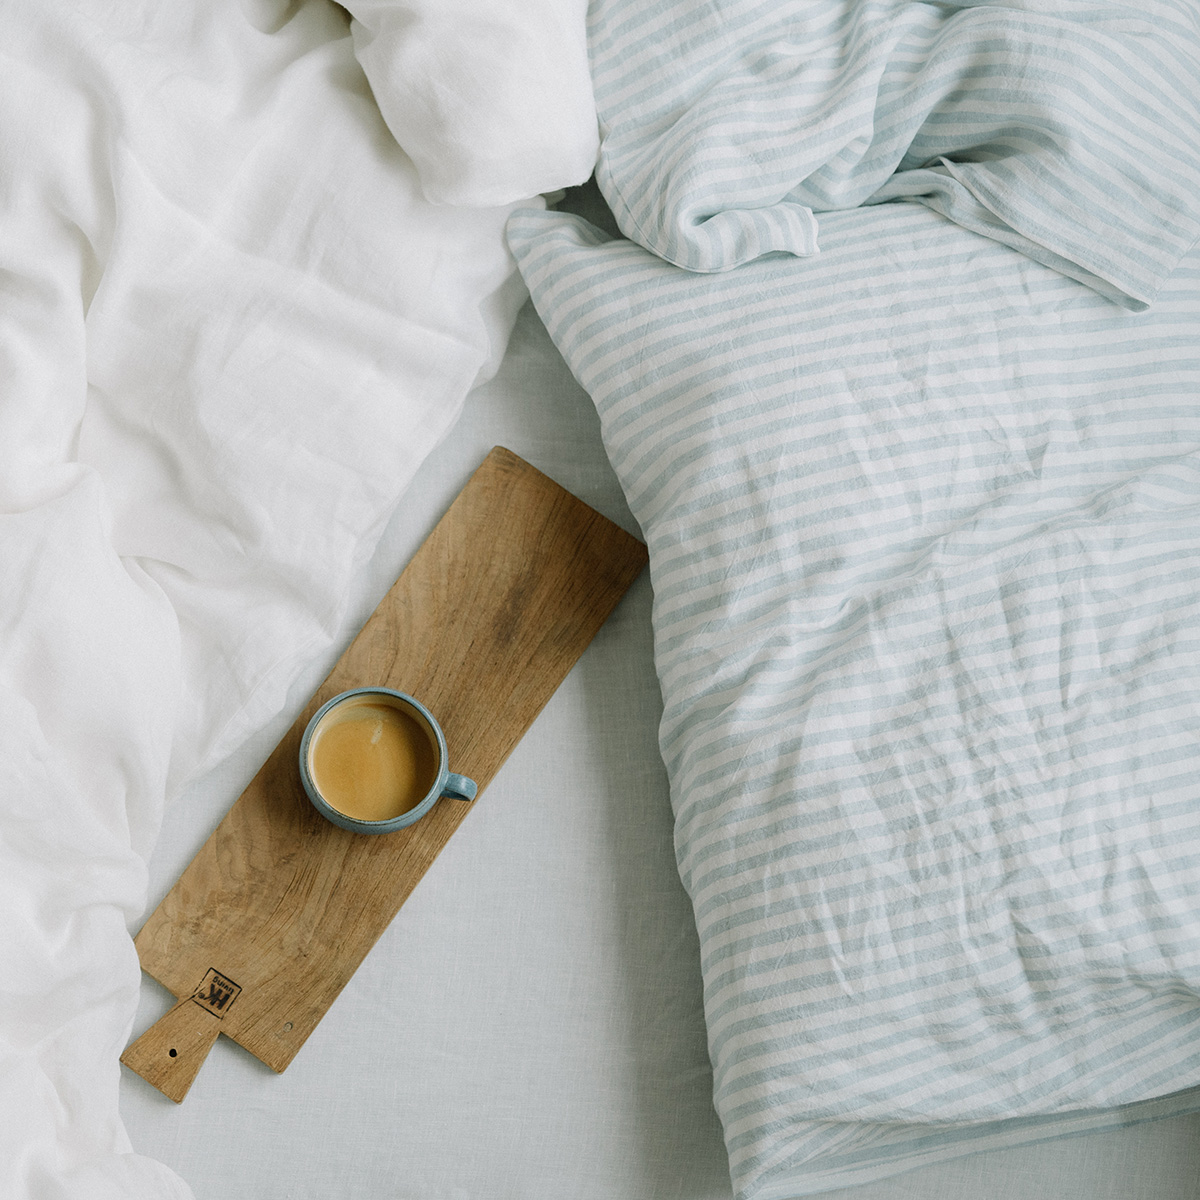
924, 545
231, 328
1067, 130
491, 99
921, 512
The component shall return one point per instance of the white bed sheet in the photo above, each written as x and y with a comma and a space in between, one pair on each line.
231, 329
530, 1026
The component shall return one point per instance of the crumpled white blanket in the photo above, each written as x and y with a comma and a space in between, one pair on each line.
491, 99
231, 328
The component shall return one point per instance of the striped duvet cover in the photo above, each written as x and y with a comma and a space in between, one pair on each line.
914, 440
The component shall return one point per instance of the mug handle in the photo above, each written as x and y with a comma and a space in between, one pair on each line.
459, 787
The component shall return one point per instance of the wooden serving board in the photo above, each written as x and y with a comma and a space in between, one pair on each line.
265, 927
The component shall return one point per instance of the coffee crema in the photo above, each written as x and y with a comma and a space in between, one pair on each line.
372, 760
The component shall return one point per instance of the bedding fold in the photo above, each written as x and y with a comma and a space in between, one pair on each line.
1069, 131
491, 100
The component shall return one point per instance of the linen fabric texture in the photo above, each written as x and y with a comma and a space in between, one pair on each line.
1068, 130
491, 99
921, 511
231, 329
922, 528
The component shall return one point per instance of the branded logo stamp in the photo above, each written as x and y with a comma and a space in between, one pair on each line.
216, 993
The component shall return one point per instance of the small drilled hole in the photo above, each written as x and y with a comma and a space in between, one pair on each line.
172, 1052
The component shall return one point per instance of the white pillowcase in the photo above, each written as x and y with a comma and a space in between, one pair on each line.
491, 101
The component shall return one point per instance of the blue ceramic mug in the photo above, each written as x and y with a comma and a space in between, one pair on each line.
374, 760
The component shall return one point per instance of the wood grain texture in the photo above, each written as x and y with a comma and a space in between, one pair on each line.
172, 1051
482, 626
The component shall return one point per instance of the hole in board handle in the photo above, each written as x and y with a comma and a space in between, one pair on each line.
172, 1052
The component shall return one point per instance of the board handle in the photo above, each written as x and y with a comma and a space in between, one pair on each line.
171, 1052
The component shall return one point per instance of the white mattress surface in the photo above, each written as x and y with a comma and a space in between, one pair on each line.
530, 1026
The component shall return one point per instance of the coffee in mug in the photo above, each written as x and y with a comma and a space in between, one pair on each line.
374, 760
371, 760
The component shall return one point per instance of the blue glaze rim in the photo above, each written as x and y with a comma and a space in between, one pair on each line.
446, 783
